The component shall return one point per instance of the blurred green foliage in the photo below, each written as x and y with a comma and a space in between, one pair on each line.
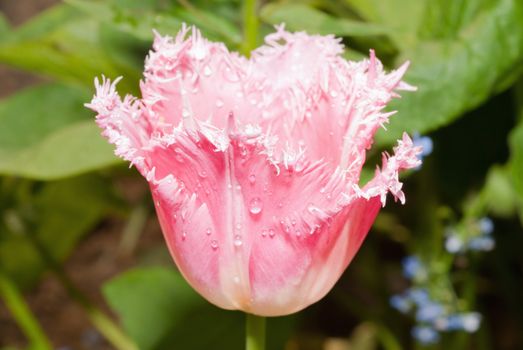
466, 58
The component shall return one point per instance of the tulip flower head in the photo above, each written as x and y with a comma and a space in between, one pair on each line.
254, 164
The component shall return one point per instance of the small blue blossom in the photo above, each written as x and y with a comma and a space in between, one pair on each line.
425, 334
482, 243
471, 321
425, 142
486, 225
453, 244
413, 267
419, 296
401, 303
429, 312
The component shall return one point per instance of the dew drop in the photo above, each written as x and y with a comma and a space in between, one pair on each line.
214, 244
238, 241
207, 71
219, 103
236, 279
280, 205
264, 233
298, 233
252, 178
334, 93
203, 174
255, 206
271, 233
322, 190
208, 232
185, 113
184, 235
308, 114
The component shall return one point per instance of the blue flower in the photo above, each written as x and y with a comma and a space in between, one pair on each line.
482, 243
401, 303
425, 334
453, 244
429, 312
486, 225
419, 296
413, 267
425, 142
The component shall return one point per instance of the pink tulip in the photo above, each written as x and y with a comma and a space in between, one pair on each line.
254, 164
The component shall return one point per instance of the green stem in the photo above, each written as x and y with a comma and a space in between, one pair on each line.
250, 26
255, 332
103, 323
22, 314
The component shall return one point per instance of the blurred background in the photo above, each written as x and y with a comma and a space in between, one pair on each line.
82, 259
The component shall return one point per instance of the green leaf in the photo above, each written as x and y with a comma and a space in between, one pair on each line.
302, 17
402, 18
455, 75
160, 311
211, 25
47, 133
63, 212
61, 43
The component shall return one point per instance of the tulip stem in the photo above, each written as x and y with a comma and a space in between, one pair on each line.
255, 332
250, 26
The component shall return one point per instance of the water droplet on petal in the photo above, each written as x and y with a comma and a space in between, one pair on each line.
184, 235
208, 231
207, 71
322, 190
219, 103
203, 174
271, 233
255, 206
252, 178
334, 93
214, 244
185, 113
264, 233
238, 241
236, 279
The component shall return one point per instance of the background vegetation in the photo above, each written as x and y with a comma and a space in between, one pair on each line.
77, 227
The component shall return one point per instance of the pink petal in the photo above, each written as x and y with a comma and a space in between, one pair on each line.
254, 164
